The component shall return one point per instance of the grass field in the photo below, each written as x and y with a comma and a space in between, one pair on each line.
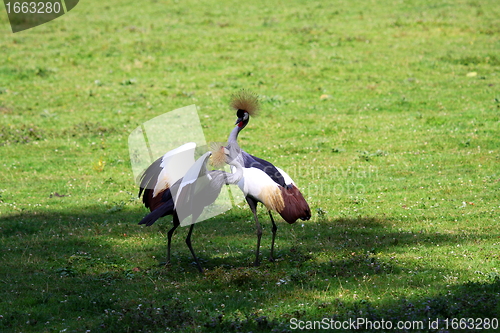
385, 113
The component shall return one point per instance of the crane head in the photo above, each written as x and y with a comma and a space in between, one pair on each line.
243, 118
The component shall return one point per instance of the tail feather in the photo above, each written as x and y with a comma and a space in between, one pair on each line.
154, 202
166, 209
149, 177
296, 206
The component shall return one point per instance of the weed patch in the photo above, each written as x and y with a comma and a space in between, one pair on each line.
21, 134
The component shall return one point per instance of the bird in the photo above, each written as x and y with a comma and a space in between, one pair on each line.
191, 194
155, 184
262, 181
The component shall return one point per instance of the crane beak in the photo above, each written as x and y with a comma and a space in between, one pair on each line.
238, 121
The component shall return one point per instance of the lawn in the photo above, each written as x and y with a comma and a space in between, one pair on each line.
385, 113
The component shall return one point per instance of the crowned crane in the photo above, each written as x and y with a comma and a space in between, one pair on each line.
262, 181
156, 181
191, 194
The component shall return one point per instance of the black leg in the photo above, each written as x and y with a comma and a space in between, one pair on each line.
253, 206
188, 242
275, 228
169, 235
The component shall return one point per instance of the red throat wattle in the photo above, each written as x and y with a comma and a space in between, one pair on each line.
240, 124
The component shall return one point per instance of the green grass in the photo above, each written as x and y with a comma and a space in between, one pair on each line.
386, 114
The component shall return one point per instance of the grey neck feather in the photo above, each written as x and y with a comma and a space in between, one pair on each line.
232, 143
233, 136
235, 177
220, 178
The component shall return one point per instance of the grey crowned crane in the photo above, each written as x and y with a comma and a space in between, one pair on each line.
262, 181
189, 195
155, 186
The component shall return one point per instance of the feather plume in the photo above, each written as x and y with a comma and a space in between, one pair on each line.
273, 199
218, 158
245, 100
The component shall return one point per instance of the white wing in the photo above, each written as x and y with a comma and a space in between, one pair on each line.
174, 165
288, 179
185, 197
195, 173
253, 181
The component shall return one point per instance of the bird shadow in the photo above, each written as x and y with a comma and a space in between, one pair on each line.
235, 230
71, 243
